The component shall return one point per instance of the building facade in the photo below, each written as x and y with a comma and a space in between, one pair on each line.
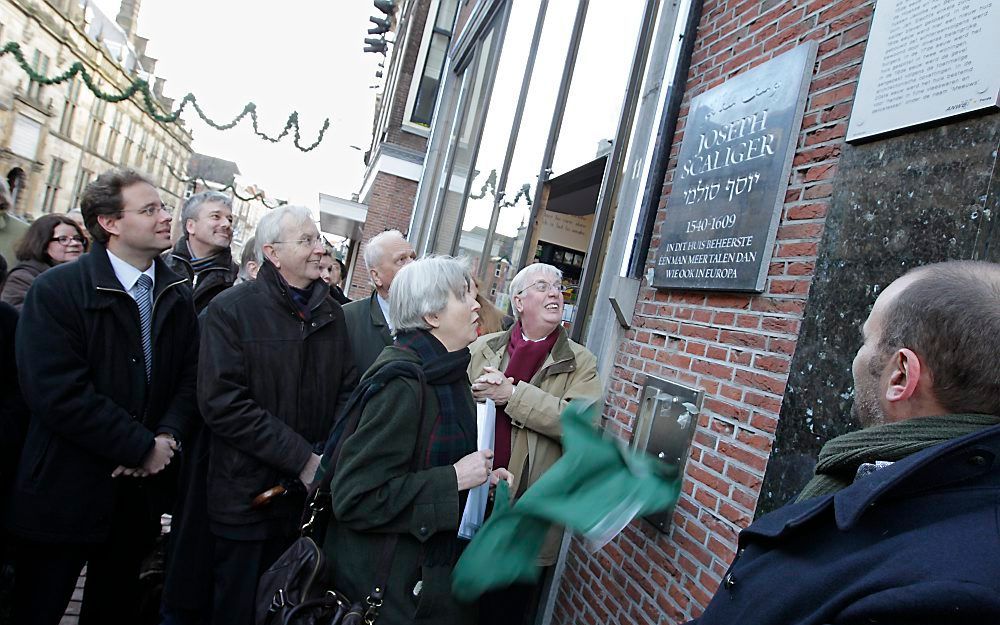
55, 139
556, 137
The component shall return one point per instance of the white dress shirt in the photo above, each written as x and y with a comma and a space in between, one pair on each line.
129, 275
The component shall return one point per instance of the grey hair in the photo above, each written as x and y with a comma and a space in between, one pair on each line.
193, 204
374, 251
249, 255
269, 226
422, 288
6, 202
521, 282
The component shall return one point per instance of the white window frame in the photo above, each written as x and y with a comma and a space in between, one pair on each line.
418, 71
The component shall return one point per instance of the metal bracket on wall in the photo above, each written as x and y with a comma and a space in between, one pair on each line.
668, 417
626, 291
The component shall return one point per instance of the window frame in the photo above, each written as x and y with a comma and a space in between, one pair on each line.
53, 184
430, 28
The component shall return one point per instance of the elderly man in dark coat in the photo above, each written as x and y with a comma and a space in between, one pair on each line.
900, 523
274, 370
367, 319
107, 356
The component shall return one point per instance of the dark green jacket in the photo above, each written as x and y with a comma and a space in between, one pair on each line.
374, 493
368, 331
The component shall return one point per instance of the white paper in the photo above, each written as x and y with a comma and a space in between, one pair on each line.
475, 504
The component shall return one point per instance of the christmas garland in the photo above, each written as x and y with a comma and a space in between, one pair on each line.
229, 187
490, 186
141, 87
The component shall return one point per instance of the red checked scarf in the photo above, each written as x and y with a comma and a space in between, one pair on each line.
526, 358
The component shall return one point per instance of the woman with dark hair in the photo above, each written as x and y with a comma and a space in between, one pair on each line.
331, 271
51, 240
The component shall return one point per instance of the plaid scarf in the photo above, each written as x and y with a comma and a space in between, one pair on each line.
840, 457
453, 435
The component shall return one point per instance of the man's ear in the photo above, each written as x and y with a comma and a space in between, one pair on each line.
189, 226
109, 223
376, 280
269, 254
518, 304
905, 376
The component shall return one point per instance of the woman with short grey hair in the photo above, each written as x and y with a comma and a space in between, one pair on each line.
408, 467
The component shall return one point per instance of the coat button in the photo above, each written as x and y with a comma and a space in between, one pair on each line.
977, 461
423, 530
314, 324
729, 581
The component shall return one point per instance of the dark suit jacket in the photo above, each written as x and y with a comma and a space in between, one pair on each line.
368, 331
83, 377
914, 543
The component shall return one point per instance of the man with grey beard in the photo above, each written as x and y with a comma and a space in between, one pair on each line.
899, 524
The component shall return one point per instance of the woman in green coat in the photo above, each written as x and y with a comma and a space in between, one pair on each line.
403, 475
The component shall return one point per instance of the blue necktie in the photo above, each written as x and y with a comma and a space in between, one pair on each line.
143, 292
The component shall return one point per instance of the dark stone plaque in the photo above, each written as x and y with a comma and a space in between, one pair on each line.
922, 197
731, 177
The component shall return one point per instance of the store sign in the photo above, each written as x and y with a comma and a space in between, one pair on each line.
572, 231
927, 60
723, 211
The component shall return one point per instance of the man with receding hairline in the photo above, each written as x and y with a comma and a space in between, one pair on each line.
899, 524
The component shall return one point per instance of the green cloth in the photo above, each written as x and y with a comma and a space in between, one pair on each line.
841, 456
595, 489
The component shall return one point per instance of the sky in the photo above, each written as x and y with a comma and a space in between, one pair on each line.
294, 55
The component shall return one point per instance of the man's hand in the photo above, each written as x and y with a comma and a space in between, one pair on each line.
308, 472
159, 456
127, 472
493, 384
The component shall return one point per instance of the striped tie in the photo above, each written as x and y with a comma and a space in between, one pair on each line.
143, 292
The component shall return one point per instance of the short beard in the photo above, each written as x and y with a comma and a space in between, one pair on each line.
867, 409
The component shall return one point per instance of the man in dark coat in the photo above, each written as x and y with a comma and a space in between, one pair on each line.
900, 523
106, 352
275, 368
385, 254
202, 255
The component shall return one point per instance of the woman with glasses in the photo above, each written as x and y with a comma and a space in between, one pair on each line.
51, 240
531, 372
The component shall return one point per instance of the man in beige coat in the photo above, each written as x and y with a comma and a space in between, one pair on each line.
531, 372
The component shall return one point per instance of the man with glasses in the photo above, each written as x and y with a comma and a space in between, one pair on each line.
106, 351
531, 372
202, 255
367, 319
274, 369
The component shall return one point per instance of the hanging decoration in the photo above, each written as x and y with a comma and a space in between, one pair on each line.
141, 87
228, 187
490, 186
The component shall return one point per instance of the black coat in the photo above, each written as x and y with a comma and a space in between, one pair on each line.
368, 330
917, 542
211, 281
269, 387
13, 412
83, 376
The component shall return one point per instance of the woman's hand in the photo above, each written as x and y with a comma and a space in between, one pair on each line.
474, 469
501, 474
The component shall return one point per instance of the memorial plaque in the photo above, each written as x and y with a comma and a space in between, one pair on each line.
926, 60
732, 173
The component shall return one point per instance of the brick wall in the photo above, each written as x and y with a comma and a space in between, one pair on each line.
394, 132
390, 203
737, 347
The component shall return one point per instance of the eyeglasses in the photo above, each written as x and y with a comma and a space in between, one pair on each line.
303, 242
67, 240
150, 210
544, 287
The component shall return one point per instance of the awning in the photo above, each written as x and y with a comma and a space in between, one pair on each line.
344, 218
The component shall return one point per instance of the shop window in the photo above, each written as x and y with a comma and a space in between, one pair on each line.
433, 54
52, 185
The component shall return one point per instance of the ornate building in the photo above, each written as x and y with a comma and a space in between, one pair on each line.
55, 139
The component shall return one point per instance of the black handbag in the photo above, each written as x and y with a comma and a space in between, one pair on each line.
297, 589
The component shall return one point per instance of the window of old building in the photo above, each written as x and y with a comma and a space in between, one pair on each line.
96, 124
39, 63
52, 185
116, 124
69, 109
82, 180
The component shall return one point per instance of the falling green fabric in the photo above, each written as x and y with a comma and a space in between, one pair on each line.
595, 489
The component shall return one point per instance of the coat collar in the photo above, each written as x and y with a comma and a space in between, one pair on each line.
957, 460
560, 359
378, 319
182, 252
97, 266
272, 282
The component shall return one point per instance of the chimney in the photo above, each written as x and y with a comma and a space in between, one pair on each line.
128, 16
